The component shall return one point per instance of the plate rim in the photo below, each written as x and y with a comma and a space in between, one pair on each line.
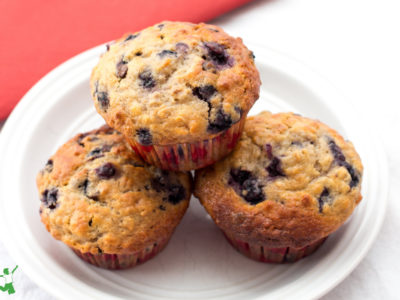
295, 67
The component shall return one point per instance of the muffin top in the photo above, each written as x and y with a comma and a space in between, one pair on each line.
289, 182
97, 196
174, 83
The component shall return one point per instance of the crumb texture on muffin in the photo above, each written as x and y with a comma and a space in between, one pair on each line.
175, 82
98, 197
289, 182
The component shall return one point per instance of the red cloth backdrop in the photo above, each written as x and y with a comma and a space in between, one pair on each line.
38, 35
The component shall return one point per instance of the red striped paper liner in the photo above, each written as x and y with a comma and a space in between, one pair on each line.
274, 255
122, 261
190, 156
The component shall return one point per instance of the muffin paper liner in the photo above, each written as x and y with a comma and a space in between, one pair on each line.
122, 261
190, 156
274, 255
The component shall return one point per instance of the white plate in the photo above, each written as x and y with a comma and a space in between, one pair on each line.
198, 263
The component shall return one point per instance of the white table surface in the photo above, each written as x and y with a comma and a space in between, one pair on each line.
355, 44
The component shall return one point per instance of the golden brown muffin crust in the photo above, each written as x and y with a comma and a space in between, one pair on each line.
289, 182
99, 197
181, 82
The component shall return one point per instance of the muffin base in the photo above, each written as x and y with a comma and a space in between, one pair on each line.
274, 255
122, 261
190, 156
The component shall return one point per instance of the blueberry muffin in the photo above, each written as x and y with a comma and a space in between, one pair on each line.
288, 184
179, 92
99, 198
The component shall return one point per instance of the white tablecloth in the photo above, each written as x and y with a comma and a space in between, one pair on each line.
355, 44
